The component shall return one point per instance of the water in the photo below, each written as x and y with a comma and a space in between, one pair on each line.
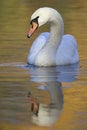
57, 93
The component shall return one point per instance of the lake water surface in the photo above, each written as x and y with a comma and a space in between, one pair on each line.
59, 92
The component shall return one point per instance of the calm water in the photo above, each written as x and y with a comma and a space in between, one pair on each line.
60, 92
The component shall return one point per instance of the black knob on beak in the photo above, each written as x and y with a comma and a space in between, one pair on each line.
28, 36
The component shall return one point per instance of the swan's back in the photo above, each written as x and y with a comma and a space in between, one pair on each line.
67, 52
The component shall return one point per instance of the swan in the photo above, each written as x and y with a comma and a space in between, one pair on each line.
54, 48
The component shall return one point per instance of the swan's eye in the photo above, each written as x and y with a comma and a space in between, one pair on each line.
35, 20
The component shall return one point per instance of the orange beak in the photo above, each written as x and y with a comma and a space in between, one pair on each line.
33, 28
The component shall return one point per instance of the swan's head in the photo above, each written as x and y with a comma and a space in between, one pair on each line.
40, 17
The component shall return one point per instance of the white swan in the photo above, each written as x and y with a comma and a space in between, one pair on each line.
54, 48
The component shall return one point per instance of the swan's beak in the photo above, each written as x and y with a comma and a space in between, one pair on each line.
33, 28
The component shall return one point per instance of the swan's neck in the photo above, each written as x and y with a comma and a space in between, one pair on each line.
56, 31
47, 55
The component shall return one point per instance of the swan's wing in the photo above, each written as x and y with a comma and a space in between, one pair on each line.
68, 51
37, 45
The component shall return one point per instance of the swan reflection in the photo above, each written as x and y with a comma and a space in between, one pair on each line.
51, 78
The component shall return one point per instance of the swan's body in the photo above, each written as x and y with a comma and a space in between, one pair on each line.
54, 48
